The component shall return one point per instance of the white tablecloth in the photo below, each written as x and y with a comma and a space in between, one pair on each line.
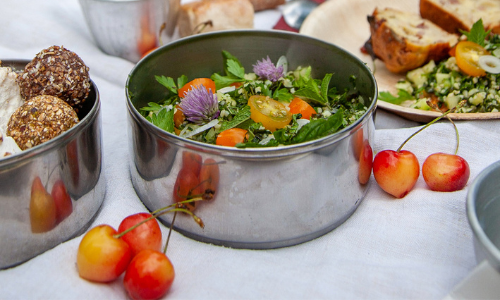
418, 247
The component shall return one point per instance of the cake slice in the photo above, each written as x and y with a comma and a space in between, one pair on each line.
404, 41
456, 15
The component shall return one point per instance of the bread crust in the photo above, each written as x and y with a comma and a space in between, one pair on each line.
397, 52
440, 12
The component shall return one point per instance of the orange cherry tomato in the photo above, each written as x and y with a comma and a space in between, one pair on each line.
208, 83
149, 275
271, 113
299, 106
178, 116
467, 55
102, 257
231, 137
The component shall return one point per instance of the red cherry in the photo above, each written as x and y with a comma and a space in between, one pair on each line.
396, 172
149, 275
445, 172
145, 236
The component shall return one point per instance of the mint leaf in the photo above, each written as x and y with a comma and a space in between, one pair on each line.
235, 68
319, 128
311, 91
324, 86
167, 82
477, 33
388, 97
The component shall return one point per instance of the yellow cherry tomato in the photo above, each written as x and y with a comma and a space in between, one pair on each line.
467, 55
271, 113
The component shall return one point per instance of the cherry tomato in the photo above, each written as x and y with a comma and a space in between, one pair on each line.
299, 106
231, 137
271, 113
102, 257
64, 206
179, 116
186, 187
208, 83
192, 161
43, 214
149, 275
467, 55
145, 236
209, 179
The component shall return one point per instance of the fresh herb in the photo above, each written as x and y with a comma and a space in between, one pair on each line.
477, 33
402, 96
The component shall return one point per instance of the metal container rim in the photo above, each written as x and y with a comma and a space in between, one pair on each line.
475, 225
267, 152
56, 142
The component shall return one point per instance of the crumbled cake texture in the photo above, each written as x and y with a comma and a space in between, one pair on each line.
40, 119
59, 72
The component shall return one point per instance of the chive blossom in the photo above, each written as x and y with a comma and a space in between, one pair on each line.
267, 70
200, 105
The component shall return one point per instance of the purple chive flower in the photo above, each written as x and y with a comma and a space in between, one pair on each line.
267, 70
199, 105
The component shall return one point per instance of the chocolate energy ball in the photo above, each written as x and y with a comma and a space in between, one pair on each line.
40, 119
58, 72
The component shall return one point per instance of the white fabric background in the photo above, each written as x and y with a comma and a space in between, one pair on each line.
418, 247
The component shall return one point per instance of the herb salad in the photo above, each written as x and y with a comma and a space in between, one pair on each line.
270, 106
470, 76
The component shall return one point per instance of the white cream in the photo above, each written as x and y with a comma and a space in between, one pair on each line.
10, 96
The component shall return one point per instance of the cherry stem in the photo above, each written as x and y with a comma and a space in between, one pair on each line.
162, 211
456, 133
169, 233
430, 123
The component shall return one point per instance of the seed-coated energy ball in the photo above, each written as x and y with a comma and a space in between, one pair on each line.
40, 119
58, 72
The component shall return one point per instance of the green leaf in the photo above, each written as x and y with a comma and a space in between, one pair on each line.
152, 106
477, 33
388, 97
164, 119
283, 94
167, 82
181, 81
241, 116
319, 128
226, 56
235, 68
324, 86
223, 81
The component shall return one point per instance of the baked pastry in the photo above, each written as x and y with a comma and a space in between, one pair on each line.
40, 119
404, 41
213, 15
259, 5
453, 15
58, 72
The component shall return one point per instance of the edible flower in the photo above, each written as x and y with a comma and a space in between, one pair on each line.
267, 70
200, 105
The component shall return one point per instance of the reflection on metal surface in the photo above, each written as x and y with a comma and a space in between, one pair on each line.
66, 168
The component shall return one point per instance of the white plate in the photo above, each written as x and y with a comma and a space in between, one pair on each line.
344, 23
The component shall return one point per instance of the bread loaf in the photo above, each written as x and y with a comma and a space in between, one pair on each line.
213, 15
456, 15
404, 41
259, 5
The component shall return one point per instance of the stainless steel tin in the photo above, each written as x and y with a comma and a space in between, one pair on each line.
73, 157
483, 212
268, 197
130, 28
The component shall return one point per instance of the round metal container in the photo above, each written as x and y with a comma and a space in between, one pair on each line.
267, 197
130, 28
483, 212
73, 157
